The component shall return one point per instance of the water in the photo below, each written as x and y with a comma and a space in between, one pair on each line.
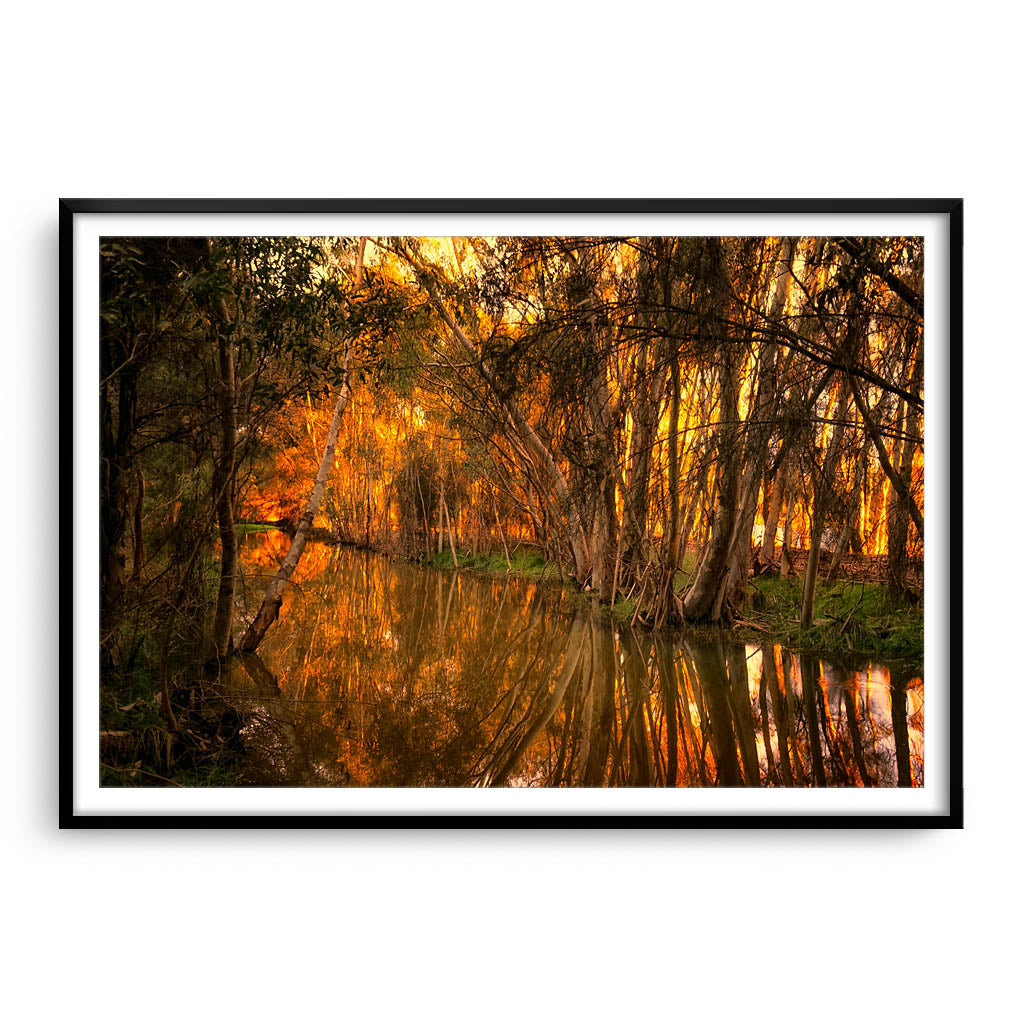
382, 673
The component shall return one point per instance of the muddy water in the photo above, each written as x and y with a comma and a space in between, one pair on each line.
382, 673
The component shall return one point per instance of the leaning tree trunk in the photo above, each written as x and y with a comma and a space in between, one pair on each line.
271, 606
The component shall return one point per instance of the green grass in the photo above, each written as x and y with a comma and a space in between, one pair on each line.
849, 618
244, 528
528, 563
685, 572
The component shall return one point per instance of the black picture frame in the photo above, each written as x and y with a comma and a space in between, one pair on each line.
952, 209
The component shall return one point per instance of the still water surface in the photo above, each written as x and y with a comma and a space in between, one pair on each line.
382, 673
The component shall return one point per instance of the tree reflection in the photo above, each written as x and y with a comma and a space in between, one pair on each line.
385, 674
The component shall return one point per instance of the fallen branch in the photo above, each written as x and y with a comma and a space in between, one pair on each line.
751, 625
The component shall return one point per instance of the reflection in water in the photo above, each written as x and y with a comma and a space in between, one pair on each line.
381, 673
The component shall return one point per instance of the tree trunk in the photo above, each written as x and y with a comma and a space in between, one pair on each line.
606, 518
736, 490
139, 547
636, 490
824, 501
440, 520
758, 428
899, 507
451, 535
672, 559
115, 472
823, 486
774, 511
810, 576
700, 597
501, 532
785, 564
224, 481
841, 545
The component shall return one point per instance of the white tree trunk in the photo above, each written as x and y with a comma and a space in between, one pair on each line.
275, 592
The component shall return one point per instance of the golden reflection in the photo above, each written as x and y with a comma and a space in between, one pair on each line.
382, 673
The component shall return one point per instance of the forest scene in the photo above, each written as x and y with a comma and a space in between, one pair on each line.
511, 511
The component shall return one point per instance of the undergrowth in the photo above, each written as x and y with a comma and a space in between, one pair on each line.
523, 563
859, 618
137, 745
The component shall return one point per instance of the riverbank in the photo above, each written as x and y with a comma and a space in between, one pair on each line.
851, 619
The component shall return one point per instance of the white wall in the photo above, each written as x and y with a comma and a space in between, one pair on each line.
533, 99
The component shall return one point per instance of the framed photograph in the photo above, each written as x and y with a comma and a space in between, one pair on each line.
506, 512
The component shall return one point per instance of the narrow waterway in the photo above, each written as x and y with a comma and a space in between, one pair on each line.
382, 673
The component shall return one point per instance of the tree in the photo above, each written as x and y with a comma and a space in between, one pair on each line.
271, 605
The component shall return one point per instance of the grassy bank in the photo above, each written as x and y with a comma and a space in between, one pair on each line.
849, 618
530, 564
861, 618
246, 528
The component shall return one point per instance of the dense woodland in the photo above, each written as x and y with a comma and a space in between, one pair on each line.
625, 408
